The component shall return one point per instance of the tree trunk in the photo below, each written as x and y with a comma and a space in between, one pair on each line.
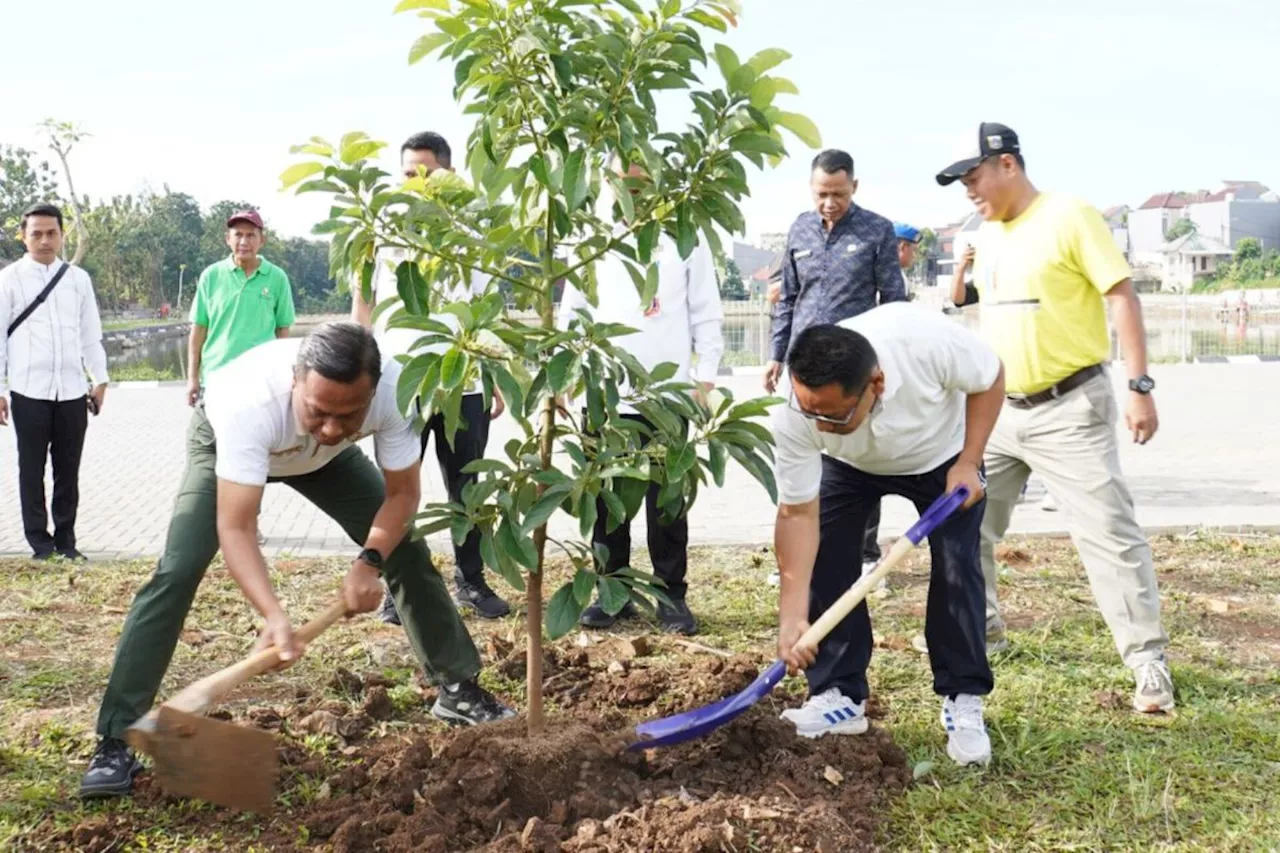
82, 233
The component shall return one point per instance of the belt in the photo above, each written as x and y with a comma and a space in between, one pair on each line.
1075, 380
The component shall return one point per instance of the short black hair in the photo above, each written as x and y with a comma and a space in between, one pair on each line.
834, 160
823, 354
342, 351
42, 209
430, 141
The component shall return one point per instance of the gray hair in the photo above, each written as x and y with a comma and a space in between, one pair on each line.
342, 352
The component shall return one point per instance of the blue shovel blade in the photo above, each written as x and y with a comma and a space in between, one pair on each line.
696, 723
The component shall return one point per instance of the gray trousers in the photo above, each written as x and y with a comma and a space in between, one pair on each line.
1070, 443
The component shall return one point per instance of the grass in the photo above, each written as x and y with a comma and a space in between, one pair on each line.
124, 325
1074, 769
143, 373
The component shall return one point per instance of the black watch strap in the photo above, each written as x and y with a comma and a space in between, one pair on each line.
371, 557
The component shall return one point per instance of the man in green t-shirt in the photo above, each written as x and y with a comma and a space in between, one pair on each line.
240, 302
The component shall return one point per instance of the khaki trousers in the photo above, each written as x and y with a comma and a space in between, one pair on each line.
1070, 443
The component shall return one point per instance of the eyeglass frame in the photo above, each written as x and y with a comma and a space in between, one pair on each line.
827, 419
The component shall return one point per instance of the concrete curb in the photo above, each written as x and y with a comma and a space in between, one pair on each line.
1237, 359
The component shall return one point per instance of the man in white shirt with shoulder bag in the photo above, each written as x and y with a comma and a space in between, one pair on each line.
53, 337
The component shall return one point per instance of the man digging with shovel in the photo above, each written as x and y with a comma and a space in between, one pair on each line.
895, 401
292, 411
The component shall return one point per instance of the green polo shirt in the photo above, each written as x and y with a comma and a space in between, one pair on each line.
239, 313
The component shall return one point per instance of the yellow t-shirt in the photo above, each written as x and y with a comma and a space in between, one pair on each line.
1041, 278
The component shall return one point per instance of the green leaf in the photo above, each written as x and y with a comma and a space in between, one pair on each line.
453, 368
544, 508
510, 389
646, 240
586, 514
632, 491
412, 288
426, 44
298, 172
770, 57
617, 511
558, 370
462, 311
411, 376
650, 286
663, 371
727, 60
718, 458
614, 595
563, 612
680, 459
539, 168
519, 548
802, 126
575, 179
686, 233
407, 5
584, 584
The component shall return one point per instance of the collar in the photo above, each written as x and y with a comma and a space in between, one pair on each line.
46, 268
231, 265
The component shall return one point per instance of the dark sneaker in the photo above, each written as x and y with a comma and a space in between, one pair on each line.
468, 704
676, 618
111, 771
387, 612
44, 556
480, 598
73, 555
596, 617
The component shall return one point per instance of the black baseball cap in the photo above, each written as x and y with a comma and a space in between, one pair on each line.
994, 139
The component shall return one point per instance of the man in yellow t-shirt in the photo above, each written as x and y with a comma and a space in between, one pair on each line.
1046, 264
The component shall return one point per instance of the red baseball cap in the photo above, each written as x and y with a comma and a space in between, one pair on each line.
250, 216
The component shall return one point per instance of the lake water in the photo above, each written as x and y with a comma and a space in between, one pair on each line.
1170, 336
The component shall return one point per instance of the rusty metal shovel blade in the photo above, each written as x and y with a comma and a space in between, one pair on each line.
218, 762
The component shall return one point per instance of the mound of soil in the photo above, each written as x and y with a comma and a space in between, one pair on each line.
752, 785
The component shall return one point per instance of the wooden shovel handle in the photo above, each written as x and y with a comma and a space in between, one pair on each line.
197, 697
844, 605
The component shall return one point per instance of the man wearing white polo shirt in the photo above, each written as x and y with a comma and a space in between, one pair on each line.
895, 401
684, 318
292, 411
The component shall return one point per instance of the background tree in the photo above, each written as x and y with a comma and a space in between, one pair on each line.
1179, 228
63, 136
559, 88
731, 284
23, 182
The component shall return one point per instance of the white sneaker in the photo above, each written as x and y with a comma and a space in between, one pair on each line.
1154, 692
967, 741
828, 713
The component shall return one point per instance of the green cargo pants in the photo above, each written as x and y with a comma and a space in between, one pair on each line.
350, 490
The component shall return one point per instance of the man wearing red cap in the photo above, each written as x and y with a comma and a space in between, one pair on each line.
240, 302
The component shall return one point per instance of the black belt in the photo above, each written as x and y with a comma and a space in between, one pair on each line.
1072, 382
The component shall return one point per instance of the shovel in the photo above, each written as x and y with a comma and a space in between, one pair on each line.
219, 762
698, 722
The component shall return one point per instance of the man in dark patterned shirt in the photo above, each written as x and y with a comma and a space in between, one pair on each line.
839, 257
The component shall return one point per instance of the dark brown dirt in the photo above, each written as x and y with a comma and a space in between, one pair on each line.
752, 785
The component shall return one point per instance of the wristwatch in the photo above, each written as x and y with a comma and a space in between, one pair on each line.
1144, 384
371, 557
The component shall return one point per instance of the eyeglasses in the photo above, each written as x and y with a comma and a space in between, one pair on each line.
826, 419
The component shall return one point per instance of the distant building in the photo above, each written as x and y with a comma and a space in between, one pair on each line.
1190, 257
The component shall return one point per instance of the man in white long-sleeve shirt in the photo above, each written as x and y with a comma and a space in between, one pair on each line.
53, 338
682, 319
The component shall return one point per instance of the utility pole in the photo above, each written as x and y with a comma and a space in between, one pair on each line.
182, 269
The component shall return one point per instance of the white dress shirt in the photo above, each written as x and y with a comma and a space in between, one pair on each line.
49, 354
931, 365
685, 317
249, 403
385, 289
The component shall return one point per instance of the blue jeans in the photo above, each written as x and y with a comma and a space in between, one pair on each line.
955, 616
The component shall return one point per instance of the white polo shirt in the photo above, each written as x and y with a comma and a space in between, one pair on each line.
931, 364
386, 290
249, 403
684, 317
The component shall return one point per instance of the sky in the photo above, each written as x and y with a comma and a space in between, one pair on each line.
1114, 100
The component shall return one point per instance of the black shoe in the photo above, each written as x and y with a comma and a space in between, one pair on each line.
676, 618
44, 556
111, 771
596, 617
387, 613
468, 704
480, 598
73, 555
